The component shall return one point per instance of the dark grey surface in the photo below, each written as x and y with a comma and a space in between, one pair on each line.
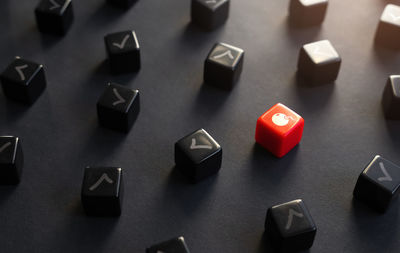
344, 129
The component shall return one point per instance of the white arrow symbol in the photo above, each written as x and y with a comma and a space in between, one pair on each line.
290, 218
316, 51
227, 53
5, 146
55, 5
122, 45
120, 100
387, 177
19, 70
394, 17
103, 177
194, 146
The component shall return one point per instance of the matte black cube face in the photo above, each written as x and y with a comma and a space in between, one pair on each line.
198, 155
307, 12
54, 16
23, 81
102, 191
319, 62
123, 52
290, 226
11, 160
223, 65
391, 98
209, 14
378, 184
118, 107
122, 3
176, 245
388, 32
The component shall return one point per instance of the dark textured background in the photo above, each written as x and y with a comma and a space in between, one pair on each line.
344, 129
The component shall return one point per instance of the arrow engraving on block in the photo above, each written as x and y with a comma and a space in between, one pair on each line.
394, 17
387, 177
19, 70
5, 146
122, 44
195, 146
227, 53
290, 218
103, 177
120, 100
55, 5
317, 51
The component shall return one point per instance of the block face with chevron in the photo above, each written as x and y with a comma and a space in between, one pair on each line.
175, 245
319, 62
23, 81
388, 31
54, 16
378, 184
198, 155
102, 191
290, 226
209, 14
118, 107
123, 52
223, 65
307, 12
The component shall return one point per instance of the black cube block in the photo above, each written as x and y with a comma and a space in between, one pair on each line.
118, 107
391, 98
23, 81
388, 31
123, 52
175, 245
378, 184
209, 14
307, 12
198, 155
223, 66
319, 62
54, 16
11, 160
290, 226
102, 191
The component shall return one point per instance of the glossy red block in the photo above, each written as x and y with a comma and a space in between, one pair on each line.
279, 129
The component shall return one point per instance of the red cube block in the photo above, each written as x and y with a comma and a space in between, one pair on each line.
279, 130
